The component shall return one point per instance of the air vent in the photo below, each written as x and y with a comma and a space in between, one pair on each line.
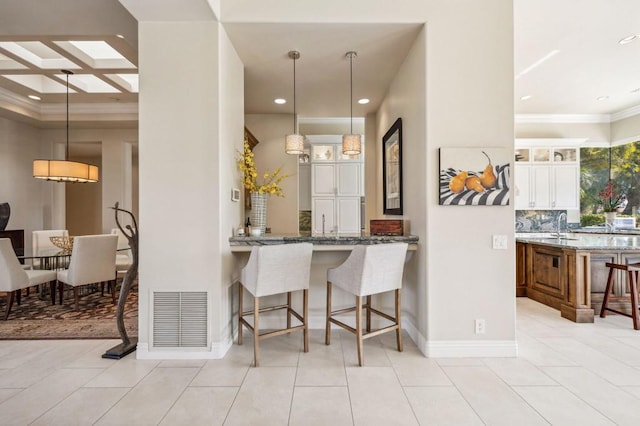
180, 319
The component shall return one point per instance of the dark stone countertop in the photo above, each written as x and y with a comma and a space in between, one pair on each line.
340, 240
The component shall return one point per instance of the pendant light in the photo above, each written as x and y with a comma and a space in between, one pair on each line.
294, 143
65, 170
351, 144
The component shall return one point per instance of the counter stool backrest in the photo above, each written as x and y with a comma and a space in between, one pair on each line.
371, 269
277, 269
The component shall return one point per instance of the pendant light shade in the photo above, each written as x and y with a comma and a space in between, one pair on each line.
65, 170
351, 144
294, 143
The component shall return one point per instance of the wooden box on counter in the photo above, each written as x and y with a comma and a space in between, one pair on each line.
387, 227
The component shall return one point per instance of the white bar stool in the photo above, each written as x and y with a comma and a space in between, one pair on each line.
275, 269
369, 269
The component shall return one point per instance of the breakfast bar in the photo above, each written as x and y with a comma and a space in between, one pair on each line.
569, 273
328, 252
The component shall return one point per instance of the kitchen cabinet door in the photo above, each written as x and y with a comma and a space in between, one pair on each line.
324, 211
348, 214
348, 178
566, 184
522, 191
323, 180
541, 187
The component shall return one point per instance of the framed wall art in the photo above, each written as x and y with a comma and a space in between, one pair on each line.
392, 169
474, 176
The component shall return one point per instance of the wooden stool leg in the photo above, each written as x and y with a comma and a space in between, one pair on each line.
359, 329
327, 327
633, 284
256, 330
305, 318
76, 297
52, 290
607, 293
288, 309
399, 320
240, 308
60, 290
369, 314
10, 297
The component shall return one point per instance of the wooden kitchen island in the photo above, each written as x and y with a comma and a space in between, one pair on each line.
569, 274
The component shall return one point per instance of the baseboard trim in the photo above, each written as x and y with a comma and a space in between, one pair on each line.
471, 349
217, 351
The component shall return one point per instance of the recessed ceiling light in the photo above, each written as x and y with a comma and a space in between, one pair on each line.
363, 101
280, 101
525, 97
34, 97
120, 36
628, 39
602, 98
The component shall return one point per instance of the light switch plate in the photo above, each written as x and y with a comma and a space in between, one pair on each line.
499, 242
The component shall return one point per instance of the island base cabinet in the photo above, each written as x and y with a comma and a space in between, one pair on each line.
521, 270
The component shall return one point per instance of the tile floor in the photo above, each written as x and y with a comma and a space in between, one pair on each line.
566, 374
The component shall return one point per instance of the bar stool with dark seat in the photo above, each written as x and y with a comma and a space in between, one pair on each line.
632, 269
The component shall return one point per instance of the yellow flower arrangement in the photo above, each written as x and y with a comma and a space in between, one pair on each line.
270, 181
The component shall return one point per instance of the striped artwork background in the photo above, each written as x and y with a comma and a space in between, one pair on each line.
497, 196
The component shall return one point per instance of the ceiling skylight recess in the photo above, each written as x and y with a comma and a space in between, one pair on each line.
38, 54
97, 54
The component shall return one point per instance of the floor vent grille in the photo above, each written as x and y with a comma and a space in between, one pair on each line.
180, 319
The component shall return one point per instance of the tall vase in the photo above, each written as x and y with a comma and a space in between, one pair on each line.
610, 218
5, 212
259, 211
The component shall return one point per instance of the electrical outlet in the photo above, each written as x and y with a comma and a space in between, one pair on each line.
480, 328
499, 242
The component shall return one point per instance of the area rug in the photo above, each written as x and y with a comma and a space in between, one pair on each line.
37, 318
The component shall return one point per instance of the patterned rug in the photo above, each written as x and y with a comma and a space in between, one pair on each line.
37, 318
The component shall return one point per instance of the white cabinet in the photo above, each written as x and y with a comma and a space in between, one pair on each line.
336, 190
547, 178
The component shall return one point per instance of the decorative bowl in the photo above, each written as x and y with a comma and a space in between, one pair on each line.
65, 243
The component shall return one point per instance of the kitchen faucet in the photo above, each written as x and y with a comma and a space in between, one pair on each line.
559, 223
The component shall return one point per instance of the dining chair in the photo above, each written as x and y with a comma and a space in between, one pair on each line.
275, 269
93, 260
40, 241
123, 257
369, 270
13, 278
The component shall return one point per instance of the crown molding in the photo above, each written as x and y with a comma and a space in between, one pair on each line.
629, 112
561, 118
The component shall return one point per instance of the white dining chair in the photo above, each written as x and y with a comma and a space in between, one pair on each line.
369, 270
40, 242
275, 269
124, 258
13, 278
93, 260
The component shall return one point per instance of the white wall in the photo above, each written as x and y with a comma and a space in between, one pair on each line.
270, 130
30, 199
180, 163
231, 213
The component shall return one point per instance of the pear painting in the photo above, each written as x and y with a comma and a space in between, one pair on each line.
474, 176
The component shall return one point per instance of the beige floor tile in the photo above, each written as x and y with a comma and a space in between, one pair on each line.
180, 363
604, 365
459, 362
377, 397
264, 398
441, 405
560, 407
321, 376
414, 369
540, 354
319, 406
223, 372
83, 407
125, 373
31, 403
518, 372
149, 401
201, 406
93, 357
374, 353
633, 390
495, 402
8, 393
613, 402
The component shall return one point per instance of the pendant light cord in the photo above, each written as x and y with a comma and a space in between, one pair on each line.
351, 87
295, 119
67, 152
